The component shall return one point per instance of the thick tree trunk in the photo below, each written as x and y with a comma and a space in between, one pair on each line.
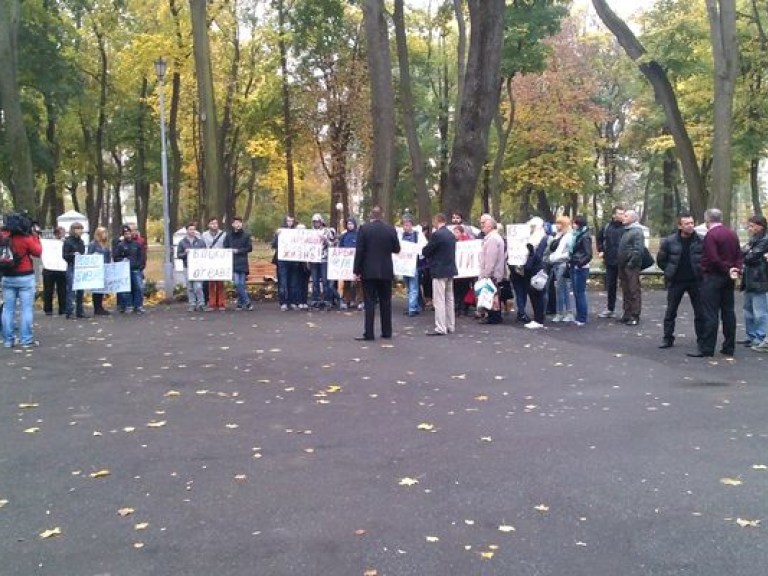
117, 205
382, 105
725, 51
141, 181
22, 183
215, 186
100, 214
174, 184
461, 49
665, 97
54, 199
503, 132
479, 103
409, 117
287, 118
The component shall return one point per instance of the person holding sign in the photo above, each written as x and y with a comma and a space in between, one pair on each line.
216, 296
411, 282
352, 292
130, 249
55, 280
441, 252
99, 245
73, 245
192, 241
376, 242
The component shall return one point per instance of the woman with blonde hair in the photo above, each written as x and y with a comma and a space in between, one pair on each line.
99, 245
559, 254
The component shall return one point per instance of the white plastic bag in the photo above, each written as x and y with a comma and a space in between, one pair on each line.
485, 290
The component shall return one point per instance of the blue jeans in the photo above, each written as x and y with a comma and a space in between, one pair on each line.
288, 282
563, 287
136, 298
579, 278
243, 299
74, 297
21, 288
756, 315
412, 283
319, 271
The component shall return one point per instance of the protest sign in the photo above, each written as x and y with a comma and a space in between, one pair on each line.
340, 263
518, 236
404, 263
300, 245
89, 272
209, 264
51, 257
468, 258
117, 278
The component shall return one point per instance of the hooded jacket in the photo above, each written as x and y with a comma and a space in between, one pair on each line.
349, 238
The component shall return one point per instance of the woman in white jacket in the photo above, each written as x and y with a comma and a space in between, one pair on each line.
559, 254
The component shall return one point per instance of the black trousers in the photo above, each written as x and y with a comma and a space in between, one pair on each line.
717, 303
54, 280
675, 293
378, 291
611, 283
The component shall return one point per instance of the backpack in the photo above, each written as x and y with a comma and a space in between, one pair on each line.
8, 258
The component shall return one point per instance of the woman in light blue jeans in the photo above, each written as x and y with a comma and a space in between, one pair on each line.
559, 254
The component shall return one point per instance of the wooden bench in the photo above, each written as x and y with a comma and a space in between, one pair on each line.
261, 272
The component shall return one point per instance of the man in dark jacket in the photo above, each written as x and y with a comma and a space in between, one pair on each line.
630, 259
287, 270
721, 262
376, 242
240, 242
441, 252
754, 283
680, 258
73, 245
608, 249
130, 249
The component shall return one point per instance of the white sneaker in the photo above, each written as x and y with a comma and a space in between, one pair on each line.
533, 325
284, 308
343, 306
606, 314
557, 318
577, 323
569, 318
762, 347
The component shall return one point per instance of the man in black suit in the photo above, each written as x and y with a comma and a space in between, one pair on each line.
441, 253
376, 242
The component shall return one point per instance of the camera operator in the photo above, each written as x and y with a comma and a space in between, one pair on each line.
19, 281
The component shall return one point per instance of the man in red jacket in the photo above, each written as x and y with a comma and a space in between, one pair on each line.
721, 263
19, 282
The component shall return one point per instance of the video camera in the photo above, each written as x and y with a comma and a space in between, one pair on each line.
18, 224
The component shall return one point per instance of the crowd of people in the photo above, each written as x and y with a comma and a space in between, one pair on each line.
551, 282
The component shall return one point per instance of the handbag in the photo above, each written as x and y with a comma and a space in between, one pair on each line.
539, 280
647, 260
485, 291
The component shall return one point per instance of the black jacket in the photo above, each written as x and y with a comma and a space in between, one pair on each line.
581, 254
376, 242
608, 242
241, 245
70, 248
131, 251
755, 275
668, 257
441, 252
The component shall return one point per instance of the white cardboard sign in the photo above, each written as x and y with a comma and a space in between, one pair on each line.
209, 264
51, 257
89, 272
468, 255
341, 262
404, 263
300, 245
117, 278
518, 236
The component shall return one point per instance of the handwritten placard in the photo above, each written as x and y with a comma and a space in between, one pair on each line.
209, 264
404, 263
117, 278
341, 262
518, 236
300, 245
51, 257
89, 272
468, 258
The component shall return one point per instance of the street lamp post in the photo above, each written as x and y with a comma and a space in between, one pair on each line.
160, 68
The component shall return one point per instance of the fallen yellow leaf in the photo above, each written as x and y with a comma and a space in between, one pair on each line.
3, 503
232, 426
426, 426
486, 555
138, 545
333, 388
459, 376
408, 481
240, 477
141, 526
731, 481
359, 532
759, 467
506, 528
125, 512
371, 572
26, 405
51, 533
100, 474
32, 430
481, 398
747, 523
172, 393
541, 508
433, 539
156, 424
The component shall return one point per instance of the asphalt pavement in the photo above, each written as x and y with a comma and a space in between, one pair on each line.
272, 443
